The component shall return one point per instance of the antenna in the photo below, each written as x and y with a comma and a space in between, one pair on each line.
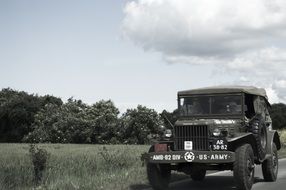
168, 120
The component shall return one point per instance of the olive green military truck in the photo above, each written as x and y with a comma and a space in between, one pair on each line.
219, 128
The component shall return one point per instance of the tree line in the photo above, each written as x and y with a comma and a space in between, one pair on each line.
32, 118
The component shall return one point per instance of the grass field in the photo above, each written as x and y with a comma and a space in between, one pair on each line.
73, 166
282, 152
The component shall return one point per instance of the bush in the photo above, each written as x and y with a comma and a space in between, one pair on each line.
39, 159
75, 122
138, 123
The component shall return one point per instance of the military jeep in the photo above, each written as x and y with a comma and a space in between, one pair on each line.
219, 128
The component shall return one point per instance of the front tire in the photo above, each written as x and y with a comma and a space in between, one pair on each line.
159, 175
243, 169
270, 166
198, 174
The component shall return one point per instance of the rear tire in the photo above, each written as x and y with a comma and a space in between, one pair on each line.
270, 166
243, 169
159, 175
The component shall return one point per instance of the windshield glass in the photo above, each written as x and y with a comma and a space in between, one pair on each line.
211, 105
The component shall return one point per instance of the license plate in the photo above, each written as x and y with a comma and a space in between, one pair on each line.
219, 144
188, 145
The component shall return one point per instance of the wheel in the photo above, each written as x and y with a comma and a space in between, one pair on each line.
243, 168
270, 166
198, 174
159, 175
258, 128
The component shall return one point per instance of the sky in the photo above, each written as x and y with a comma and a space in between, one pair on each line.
141, 51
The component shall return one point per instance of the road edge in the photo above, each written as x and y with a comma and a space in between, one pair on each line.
211, 174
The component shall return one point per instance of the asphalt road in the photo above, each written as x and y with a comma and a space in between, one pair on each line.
224, 181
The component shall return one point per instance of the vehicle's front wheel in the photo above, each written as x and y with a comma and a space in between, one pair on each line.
198, 174
243, 168
159, 175
270, 166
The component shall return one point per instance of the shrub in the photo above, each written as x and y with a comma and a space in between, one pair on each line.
138, 123
39, 159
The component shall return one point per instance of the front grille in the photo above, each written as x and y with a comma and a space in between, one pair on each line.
198, 134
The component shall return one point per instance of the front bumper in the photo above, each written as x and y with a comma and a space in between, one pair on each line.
211, 157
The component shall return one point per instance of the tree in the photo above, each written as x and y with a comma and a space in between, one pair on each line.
106, 122
278, 115
138, 123
76, 122
17, 111
59, 124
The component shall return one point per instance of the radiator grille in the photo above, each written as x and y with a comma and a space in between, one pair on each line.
198, 134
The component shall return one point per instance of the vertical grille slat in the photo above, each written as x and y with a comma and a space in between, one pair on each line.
196, 133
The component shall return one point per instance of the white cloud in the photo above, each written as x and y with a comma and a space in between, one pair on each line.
280, 87
245, 37
280, 83
244, 79
272, 95
260, 61
205, 27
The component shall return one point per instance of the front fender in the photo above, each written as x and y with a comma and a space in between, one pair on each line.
243, 139
273, 137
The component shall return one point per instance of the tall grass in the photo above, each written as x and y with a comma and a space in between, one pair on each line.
282, 134
74, 167
282, 151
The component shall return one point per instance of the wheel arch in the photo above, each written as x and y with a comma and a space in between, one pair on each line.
273, 137
247, 138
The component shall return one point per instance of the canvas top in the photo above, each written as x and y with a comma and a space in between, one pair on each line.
225, 89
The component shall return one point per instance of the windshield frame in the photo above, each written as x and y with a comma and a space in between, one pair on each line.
240, 115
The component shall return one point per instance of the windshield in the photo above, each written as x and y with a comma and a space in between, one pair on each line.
210, 105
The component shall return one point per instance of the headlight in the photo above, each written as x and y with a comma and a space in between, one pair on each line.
216, 132
162, 128
220, 132
168, 133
